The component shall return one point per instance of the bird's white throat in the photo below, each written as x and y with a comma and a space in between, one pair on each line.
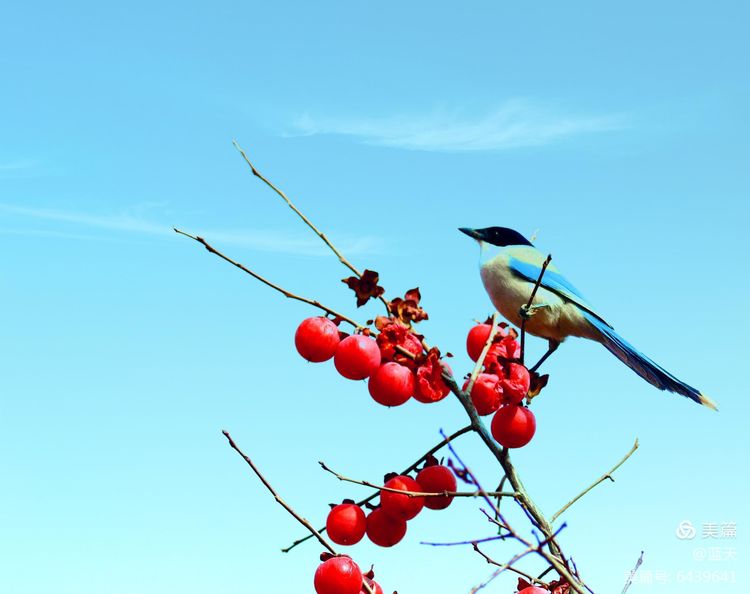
487, 252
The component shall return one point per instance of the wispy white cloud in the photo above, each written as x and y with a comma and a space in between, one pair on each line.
266, 240
514, 124
17, 165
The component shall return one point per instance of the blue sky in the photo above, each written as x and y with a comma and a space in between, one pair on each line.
617, 133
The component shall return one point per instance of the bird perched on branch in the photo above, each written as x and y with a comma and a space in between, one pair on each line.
511, 267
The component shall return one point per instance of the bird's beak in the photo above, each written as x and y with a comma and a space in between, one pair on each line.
473, 233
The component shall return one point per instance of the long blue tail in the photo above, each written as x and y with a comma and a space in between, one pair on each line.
643, 366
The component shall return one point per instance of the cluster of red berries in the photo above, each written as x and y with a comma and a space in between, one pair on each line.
398, 370
502, 386
385, 526
394, 376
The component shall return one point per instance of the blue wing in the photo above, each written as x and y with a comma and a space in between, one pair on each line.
552, 281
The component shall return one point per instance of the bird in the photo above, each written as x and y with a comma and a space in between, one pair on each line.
511, 267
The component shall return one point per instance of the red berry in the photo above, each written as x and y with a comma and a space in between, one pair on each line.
346, 524
476, 339
513, 426
338, 575
398, 505
384, 530
486, 394
357, 356
316, 339
533, 590
391, 384
374, 586
516, 385
434, 479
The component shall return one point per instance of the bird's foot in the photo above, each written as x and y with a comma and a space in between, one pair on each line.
527, 311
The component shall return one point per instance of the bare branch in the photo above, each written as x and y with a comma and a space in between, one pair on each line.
539, 548
267, 282
466, 542
601, 479
491, 561
301, 215
277, 497
412, 494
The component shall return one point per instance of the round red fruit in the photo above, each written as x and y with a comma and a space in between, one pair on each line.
357, 356
316, 339
516, 385
346, 524
476, 339
401, 506
384, 530
533, 590
338, 575
486, 394
391, 384
434, 479
513, 426
374, 587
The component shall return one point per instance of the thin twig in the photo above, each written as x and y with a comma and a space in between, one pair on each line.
459, 543
500, 488
632, 573
491, 561
528, 305
302, 216
407, 470
517, 557
277, 497
412, 494
601, 479
545, 572
267, 282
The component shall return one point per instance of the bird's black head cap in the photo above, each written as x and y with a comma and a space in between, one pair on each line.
499, 236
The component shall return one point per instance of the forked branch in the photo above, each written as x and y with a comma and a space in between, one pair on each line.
601, 479
302, 216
